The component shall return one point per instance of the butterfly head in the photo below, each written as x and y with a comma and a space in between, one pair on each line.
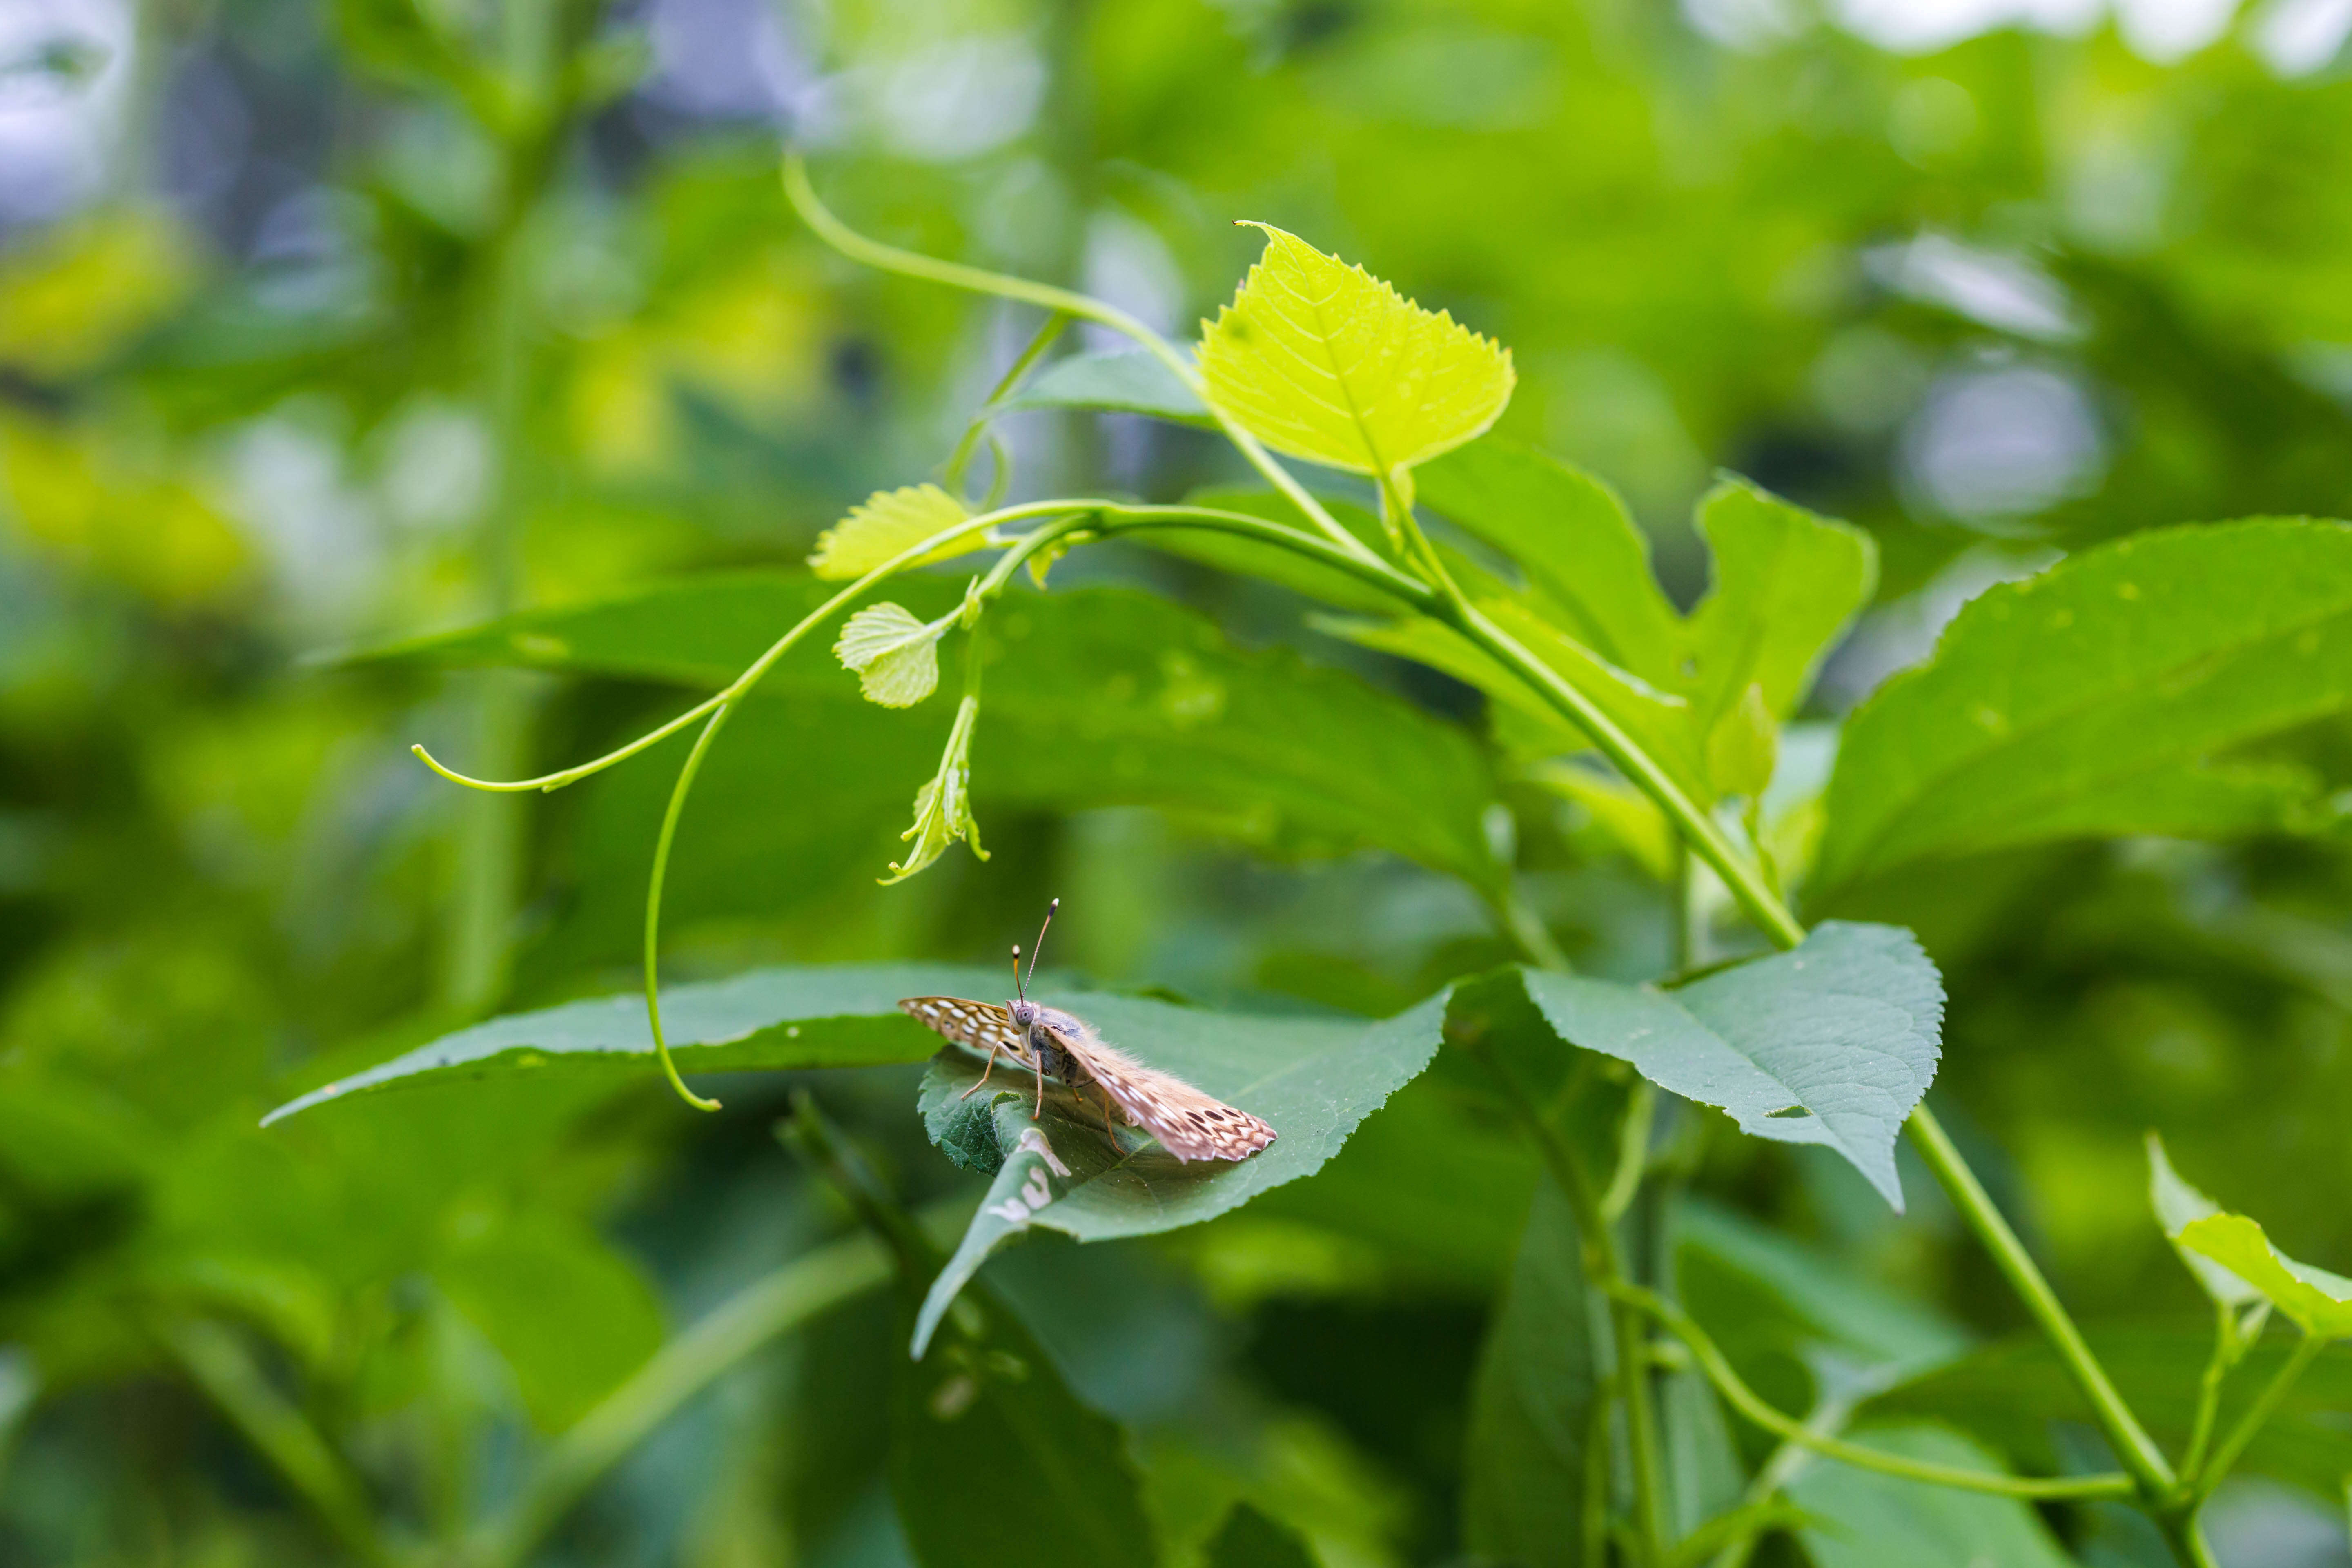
1026, 1012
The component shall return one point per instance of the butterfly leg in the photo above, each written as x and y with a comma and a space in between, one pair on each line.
1041, 1089
990, 1068
1108, 1131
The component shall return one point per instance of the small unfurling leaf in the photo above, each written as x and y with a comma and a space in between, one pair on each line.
895, 655
887, 524
943, 805
1743, 745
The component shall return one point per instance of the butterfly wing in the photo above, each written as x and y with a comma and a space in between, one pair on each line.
1188, 1124
981, 1025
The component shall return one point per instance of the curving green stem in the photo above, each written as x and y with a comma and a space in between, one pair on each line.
977, 280
653, 901
1749, 1403
2225, 1455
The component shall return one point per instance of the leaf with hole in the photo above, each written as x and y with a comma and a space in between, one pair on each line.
2096, 698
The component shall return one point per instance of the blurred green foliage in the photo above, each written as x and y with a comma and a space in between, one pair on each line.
324, 326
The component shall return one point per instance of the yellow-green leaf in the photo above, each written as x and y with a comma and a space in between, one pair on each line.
895, 656
1322, 360
887, 524
2319, 1302
943, 805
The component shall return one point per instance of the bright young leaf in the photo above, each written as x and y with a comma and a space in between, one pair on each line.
2179, 1205
895, 656
1832, 1042
1863, 1520
1532, 1473
841, 1016
2092, 699
1312, 1079
996, 1463
2319, 1302
1324, 362
886, 524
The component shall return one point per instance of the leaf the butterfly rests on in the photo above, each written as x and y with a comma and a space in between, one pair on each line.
1188, 1124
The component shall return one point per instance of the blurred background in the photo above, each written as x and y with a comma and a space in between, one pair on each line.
326, 324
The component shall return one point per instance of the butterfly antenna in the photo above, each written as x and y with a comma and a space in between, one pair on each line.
1019, 988
1051, 910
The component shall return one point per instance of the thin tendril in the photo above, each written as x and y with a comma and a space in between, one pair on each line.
652, 902
890, 258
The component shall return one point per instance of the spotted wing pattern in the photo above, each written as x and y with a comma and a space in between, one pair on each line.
978, 1024
1188, 1124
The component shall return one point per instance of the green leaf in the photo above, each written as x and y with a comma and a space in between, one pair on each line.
887, 523
2179, 1205
1249, 1540
1319, 360
2319, 1302
843, 1015
1129, 381
943, 805
570, 1317
1529, 1462
1095, 697
2091, 698
995, 1463
1786, 584
895, 655
1865, 1519
1576, 543
1743, 745
1755, 1289
1313, 1081
1832, 1043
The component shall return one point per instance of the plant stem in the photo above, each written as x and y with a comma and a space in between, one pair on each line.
2307, 1349
2133, 1445
218, 1363
775, 1304
2209, 1389
1604, 1267
1749, 1403
653, 901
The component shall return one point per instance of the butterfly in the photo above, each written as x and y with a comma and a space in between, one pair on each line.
1054, 1044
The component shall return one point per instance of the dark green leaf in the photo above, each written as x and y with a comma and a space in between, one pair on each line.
844, 1015
505, 1279
1252, 558
1571, 535
2092, 698
1097, 696
1832, 1043
995, 1463
1531, 1474
1313, 1081
1250, 1540
1863, 1520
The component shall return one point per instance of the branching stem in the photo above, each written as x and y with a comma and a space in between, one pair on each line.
1751, 1404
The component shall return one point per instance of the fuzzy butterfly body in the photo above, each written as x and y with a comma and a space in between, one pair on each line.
1190, 1125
